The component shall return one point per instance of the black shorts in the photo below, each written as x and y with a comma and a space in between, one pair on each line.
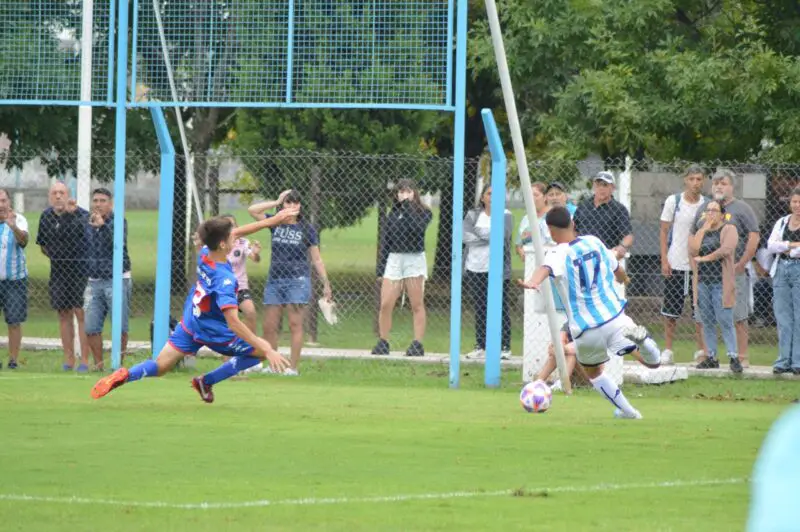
243, 295
677, 288
67, 289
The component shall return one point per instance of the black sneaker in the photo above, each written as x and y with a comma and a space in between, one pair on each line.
12, 364
381, 348
736, 366
415, 350
779, 371
796, 371
709, 363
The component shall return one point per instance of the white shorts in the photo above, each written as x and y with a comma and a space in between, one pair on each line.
595, 345
405, 266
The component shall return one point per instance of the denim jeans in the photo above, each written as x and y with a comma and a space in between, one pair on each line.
98, 304
709, 306
786, 302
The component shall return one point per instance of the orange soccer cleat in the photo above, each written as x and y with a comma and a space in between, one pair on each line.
106, 384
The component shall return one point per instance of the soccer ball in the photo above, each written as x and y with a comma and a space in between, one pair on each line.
536, 397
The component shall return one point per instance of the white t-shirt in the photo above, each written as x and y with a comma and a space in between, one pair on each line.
13, 265
478, 255
682, 220
544, 234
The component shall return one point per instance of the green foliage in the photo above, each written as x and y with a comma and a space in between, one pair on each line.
699, 80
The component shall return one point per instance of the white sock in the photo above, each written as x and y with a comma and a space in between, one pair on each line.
651, 353
606, 387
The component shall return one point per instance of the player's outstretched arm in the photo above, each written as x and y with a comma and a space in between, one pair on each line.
538, 277
272, 221
276, 361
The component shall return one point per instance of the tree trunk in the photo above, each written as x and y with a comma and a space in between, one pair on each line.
213, 189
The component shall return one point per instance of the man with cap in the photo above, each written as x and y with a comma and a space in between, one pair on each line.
604, 217
556, 196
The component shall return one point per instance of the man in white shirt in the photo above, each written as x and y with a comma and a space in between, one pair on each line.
677, 219
13, 274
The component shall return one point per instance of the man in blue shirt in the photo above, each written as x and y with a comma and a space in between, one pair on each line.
210, 317
101, 273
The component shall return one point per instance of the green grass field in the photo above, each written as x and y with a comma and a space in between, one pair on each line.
373, 446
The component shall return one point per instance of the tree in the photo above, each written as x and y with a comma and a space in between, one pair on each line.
662, 78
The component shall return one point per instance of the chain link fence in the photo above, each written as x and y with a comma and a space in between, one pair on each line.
376, 248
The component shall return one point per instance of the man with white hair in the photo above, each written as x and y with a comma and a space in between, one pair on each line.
741, 215
64, 239
13, 274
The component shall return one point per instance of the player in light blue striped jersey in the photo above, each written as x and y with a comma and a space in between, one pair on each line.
584, 271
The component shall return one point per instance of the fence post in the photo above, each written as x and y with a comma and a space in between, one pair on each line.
164, 246
497, 245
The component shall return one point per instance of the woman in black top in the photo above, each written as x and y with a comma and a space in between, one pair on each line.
402, 264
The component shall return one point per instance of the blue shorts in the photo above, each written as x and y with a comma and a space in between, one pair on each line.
291, 291
14, 300
183, 341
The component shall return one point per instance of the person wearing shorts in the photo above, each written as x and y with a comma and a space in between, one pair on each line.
99, 295
244, 249
402, 265
295, 246
677, 218
13, 274
63, 238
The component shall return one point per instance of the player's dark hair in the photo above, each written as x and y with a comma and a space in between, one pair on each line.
215, 231
230, 217
558, 217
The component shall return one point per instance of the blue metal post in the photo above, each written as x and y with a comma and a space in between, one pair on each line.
458, 193
164, 246
119, 184
497, 243
290, 54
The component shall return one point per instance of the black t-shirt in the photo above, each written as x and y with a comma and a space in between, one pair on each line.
610, 222
65, 237
710, 272
790, 236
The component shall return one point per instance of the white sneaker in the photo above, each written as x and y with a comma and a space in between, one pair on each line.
619, 414
267, 369
476, 354
556, 386
289, 372
505, 355
667, 357
636, 334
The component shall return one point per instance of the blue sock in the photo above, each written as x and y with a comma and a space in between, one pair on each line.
148, 368
229, 369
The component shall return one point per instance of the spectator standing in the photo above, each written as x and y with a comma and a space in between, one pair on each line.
740, 215
712, 248
604, 217
402, 264
13, 274
677, 218
64, 239
556, 194
784, 243
477, 229
242, 250
524, 239
101, 273
295, 247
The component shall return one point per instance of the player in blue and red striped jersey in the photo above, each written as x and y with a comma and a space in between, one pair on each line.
210, 317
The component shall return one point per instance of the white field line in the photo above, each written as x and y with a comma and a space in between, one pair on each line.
314, 501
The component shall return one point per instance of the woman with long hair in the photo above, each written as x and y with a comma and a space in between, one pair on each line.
712, 249
295, 247
784, 244
477, 228
402, 264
